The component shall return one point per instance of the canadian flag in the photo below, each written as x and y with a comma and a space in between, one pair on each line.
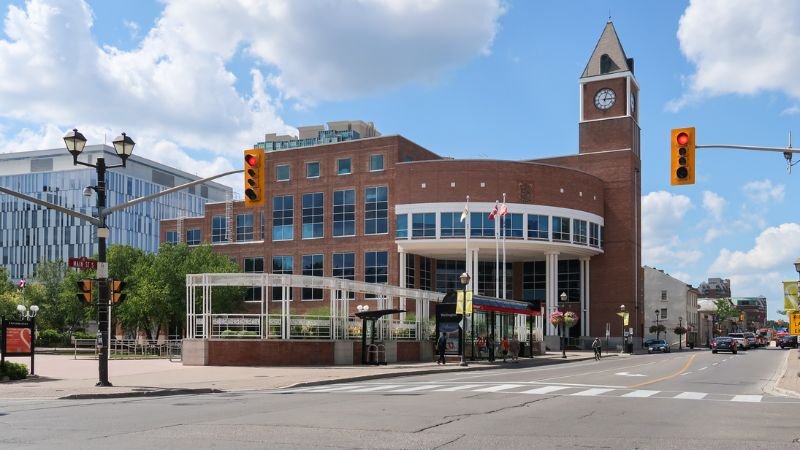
493, 212
21, 283
503, 210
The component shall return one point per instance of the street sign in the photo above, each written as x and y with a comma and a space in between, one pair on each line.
794, 324
83, 263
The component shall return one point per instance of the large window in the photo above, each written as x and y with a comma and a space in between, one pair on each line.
452, 226
219, 229
376, 210
281, 265
594, 234
344, 213
375, 163
569, 279
312, 265
579, 231
410, 272
376, 268
512, 226
447, 273
244, 227
344, 267
487, 280
423, 225
534, 281
480, 225
561, 229
312, 169
282, 172
171, 237
253, 265
193, 236
425, 269
313, 211
537, 227
344, 166
401, 226
282, 218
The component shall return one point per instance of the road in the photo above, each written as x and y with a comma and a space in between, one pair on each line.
678, 400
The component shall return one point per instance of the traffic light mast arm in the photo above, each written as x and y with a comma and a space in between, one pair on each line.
748, 147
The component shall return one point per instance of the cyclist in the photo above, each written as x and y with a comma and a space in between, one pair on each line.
596, 347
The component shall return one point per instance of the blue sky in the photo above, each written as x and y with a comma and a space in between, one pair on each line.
197, 82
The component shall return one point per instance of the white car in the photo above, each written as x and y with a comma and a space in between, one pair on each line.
741, 340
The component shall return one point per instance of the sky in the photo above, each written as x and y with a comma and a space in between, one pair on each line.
194, 83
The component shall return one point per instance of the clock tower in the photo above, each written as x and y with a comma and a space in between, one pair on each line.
609, 95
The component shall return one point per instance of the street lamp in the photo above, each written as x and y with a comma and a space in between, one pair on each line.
464, 279
622, 317
123, 145
708, 337
658, 330
680, 336
27, 313
563, 298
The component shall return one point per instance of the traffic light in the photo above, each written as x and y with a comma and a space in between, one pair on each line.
253, 178
682, 152
85, 288
116, 292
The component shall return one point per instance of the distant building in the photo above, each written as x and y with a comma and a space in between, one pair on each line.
313, 135
670, 302
715, 288
30, 233
754, 310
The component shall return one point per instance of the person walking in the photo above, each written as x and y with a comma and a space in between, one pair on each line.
596, 347
490, 346
441, 346
514, 348
504, 346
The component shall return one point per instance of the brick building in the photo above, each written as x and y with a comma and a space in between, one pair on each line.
385, 210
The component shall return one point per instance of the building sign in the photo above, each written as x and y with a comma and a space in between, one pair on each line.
794, 324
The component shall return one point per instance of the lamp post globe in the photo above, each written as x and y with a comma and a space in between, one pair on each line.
464, 279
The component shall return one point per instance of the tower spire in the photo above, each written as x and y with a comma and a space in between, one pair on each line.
608, 55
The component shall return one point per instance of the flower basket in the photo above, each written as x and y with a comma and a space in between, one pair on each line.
570, 318
556, 318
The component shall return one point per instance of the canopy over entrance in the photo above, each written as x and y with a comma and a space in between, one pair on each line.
484, 303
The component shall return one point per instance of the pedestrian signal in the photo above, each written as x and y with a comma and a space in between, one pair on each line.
116, 292
682, 150
253, 178
85, 291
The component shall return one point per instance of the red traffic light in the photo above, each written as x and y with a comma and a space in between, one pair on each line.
683, 138
251, 160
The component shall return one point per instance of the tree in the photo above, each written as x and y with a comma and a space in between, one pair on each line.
44, 291
680, 331
658, 329
725, 311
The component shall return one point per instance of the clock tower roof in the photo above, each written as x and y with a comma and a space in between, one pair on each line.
608, 56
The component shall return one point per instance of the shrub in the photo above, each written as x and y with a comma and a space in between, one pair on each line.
49, 338
14, 371
84, 335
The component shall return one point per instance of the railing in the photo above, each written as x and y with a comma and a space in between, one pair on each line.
131, 348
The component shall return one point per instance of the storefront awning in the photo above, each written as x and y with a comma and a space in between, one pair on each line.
484, 303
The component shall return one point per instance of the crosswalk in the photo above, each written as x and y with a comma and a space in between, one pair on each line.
523, 389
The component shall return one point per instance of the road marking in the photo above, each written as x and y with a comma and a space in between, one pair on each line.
685, 373
501, 387
330, 389
683, 369
418, 388
581, 385
702, 368
715, 364
747, 398
591, 392
378, 388
628, 374
545, 390
641, 393
691, 395
458, 388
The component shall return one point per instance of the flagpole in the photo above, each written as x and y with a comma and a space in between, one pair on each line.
467, 232
496, 254
505, 209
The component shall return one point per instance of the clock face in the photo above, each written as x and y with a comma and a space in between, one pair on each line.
604, 98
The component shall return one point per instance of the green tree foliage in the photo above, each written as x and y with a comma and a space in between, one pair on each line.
726, 312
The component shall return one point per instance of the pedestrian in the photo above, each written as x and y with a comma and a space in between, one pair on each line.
514, 348
596, 347
490, 346
441, 346
504, 346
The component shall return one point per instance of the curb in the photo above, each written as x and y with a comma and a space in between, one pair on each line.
156, 393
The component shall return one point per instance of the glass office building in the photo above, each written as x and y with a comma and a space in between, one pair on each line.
30, 233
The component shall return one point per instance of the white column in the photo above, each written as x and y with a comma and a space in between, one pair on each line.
474, 281
402, 281
551, 283
587, 296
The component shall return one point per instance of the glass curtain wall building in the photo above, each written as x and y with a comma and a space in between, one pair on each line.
31, 233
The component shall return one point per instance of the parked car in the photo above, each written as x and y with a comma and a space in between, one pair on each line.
658, 346
786, 341
753, 339
724, 344
741, 340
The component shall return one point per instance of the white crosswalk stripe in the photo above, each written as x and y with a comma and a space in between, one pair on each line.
592, 392
641, 394
691, 395
463, 387
501, 387
545, 390
330, 388
418, 388
747, 398
378, 388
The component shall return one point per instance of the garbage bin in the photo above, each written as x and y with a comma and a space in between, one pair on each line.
629, 347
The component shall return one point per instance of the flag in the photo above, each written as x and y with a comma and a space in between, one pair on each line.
493, 212
21, 283
464, 213
790, 295
503, 210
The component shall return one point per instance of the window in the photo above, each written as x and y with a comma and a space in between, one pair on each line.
594, 234
376, 268
487, 280
344, 166
344, 213
663, 296
376, 210
410, 271
219, 229
480, 225
663, 313
375, 163
569, 279
344, 267
253, 265
282, 218
244, 227
313, 210
561, 229
452, 226
282, 172
537, 227
579, 231
281, 265
425, 265
171, 237
193, 237
312, 265
534, 281
423, 225
512, 226
312, 170
447, 273
401, 226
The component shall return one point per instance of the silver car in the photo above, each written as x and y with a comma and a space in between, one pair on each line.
741, 340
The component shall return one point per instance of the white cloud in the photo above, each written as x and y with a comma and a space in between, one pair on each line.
741, 47
662, 217
132, 27
775, 248
763, 191
714, 204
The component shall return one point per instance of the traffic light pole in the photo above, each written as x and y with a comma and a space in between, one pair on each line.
102, 275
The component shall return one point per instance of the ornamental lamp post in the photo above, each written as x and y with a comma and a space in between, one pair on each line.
464, 279
563, 298
622, 321
680, 337
123, 145
27, 313
658, 330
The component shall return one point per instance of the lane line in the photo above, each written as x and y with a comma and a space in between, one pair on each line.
591, 392
747, 398
691, 395
545, 390
683, 369
501, 387
702, 368
641, 394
